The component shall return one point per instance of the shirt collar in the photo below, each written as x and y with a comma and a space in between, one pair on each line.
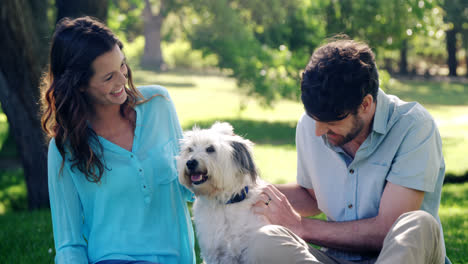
381, 113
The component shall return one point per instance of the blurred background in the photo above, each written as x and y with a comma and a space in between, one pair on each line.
238, 61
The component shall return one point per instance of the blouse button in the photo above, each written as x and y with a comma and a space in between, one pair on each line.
350, 206
351, 171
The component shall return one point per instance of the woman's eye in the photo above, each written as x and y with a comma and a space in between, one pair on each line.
110, 77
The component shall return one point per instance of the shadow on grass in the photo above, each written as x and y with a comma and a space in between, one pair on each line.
259, 132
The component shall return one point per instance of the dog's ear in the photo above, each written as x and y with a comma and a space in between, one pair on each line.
244, 159
223, 128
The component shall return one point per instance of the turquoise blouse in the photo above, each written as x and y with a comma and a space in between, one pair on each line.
139, 210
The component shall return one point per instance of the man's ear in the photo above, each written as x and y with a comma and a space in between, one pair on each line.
367, 103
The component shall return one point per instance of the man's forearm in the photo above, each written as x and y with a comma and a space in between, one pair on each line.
301, 200
359, 236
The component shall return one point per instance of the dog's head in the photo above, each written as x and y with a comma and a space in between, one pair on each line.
215, 162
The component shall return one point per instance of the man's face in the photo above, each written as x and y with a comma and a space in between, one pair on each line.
342, 131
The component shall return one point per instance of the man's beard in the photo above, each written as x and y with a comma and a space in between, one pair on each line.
358, 125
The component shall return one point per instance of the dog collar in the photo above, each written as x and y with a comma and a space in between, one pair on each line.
239, 197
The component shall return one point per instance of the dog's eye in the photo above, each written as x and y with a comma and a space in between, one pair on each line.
190, 150
210, 149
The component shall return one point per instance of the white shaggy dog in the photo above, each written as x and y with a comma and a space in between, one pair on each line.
217, 166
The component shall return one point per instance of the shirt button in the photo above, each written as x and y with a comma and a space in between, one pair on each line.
350, 206
147, 200
131, 156
351, 171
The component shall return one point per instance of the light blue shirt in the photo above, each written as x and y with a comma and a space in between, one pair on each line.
139, 210
404, 148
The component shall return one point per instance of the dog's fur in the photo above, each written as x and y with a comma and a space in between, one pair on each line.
216, 165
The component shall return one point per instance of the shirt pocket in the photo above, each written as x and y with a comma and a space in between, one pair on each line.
373, 183
165, 163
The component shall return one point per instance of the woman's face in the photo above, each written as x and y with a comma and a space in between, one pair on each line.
107, 85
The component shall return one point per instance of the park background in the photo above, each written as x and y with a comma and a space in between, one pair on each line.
237, 61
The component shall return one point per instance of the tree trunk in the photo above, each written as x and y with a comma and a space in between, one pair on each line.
452, 52
152, 56
23, 57
74, 9
404, 58
465, 45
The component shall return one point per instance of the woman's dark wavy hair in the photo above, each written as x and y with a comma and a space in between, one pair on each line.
75, 44
337, 78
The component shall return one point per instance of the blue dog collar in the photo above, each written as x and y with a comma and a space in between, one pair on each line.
239, 197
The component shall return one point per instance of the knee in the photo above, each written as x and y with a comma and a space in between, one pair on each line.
422, 220
263, 238
266, 243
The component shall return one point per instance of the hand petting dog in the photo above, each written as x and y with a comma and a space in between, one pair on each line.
275, 207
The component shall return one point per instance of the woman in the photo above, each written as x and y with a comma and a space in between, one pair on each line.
113, 186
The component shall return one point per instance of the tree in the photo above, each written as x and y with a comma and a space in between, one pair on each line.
94, 8
154, 15
152, 56
24, 29
455, 16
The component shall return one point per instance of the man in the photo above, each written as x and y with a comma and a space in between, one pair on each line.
370, 162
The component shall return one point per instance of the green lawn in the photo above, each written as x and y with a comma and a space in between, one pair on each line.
26, 237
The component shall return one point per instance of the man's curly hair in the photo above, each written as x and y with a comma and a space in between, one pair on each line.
337, 78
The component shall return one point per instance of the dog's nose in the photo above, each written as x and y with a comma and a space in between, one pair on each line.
192, 164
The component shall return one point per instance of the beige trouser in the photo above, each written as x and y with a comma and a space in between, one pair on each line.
414, 238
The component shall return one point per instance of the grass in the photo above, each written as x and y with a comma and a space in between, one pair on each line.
26, 237
202, 100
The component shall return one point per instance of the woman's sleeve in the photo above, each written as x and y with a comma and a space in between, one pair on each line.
67, 212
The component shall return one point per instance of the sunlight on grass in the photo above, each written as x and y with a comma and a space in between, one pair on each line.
277, 164
453, 214
13, 194
427, 93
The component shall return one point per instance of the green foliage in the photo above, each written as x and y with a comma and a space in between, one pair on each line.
180, 55
124, 18
266, 44
456, 13
229, 30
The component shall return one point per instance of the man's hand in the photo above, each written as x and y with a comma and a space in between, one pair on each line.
275, 207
